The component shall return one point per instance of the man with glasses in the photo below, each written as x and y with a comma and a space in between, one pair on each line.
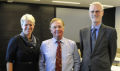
98, 42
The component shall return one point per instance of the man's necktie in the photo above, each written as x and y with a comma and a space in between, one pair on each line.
59, 57
93, 39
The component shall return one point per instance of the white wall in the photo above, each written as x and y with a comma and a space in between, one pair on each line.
117, 24
74, 20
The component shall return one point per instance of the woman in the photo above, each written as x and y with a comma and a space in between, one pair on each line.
23, 50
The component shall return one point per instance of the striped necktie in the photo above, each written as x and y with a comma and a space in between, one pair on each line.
93, 39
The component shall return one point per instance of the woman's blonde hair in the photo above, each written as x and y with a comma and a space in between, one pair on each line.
27, 17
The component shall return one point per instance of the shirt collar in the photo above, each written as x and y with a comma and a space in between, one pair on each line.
54, 40
96, 27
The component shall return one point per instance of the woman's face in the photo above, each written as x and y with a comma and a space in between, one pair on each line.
27, 27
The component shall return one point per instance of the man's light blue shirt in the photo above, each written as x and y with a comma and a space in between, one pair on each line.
70, 55
97, 29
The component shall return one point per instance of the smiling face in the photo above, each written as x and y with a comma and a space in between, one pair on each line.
96, 13
27, 24
27, 27
57, 29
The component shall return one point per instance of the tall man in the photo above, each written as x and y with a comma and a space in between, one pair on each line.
97, 42
59, 53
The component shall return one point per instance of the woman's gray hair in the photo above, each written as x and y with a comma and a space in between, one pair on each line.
27, 17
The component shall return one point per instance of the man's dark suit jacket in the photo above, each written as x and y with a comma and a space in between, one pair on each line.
104, 52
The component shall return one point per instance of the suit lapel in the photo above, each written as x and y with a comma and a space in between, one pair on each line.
88, 37
88, 41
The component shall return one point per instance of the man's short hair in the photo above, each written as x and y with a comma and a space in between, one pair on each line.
56, 19
94, 3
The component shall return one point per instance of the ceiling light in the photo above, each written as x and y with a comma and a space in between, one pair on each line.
37, 0
66, 2
108, 6
9, 0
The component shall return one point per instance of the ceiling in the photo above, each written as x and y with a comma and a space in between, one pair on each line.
83, 3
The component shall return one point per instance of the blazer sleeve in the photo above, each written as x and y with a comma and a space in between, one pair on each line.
11, 49
112, 45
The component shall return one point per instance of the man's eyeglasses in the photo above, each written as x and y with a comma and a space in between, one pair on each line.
95, 11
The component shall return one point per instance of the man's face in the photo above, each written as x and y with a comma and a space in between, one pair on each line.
96, 13
27, 27
57, 29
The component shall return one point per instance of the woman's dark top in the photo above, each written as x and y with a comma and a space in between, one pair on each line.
24, 57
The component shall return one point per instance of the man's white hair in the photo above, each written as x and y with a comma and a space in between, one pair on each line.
98, 3
27, 17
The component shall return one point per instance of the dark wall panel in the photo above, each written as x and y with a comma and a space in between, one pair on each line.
109, 17
10, 14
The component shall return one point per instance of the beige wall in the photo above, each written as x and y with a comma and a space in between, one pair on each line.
74, 20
